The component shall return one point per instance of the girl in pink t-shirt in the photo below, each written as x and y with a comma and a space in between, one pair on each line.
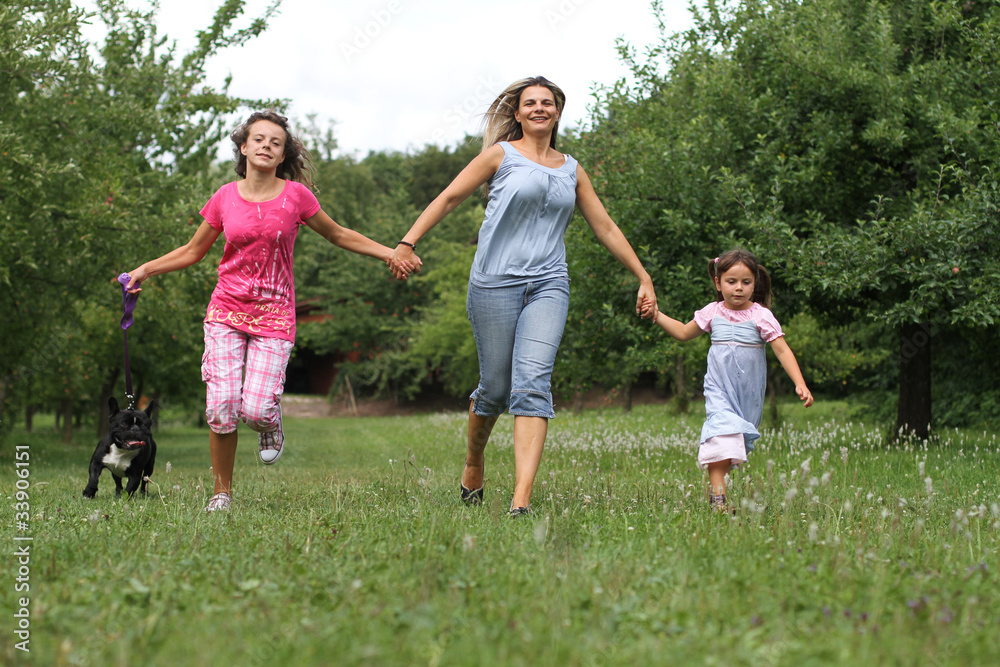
740, 323
250, 323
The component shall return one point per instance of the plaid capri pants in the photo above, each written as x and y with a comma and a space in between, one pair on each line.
245, 377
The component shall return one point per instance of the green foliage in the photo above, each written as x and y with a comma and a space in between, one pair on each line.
442, 349
849, 144
399, 338
107, 153
433, 168
837, 359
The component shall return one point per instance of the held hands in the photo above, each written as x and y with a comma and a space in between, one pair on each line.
645, 304
403, 261
648, 310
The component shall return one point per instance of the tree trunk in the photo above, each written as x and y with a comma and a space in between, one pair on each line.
107, 391
627, 397
66, 411
3, 397
29, 417
914, 412
680, 385
154, 413
773, 389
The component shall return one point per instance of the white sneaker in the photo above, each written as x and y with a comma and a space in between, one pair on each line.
219, 502
271, 445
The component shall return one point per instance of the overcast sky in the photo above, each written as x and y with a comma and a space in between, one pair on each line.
401, 74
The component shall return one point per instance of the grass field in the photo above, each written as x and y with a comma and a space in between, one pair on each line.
354, 549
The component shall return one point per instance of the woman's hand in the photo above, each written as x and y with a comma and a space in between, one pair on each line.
403, 261
645, 304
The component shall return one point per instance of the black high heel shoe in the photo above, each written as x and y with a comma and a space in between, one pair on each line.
472, 496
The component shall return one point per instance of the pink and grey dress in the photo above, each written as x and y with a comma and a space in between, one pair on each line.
736, 379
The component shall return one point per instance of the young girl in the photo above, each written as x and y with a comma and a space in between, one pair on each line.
250, 324
740, 324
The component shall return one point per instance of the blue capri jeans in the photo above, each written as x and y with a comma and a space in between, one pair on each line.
517, 332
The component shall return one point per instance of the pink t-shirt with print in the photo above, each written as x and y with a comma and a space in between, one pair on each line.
256, 288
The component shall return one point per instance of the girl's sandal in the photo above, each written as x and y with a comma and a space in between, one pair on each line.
219, 502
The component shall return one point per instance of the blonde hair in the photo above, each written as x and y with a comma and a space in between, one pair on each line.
499, 123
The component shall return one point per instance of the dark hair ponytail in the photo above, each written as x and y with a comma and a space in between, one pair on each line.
762, 279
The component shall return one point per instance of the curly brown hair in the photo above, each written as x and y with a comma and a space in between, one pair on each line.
297, 165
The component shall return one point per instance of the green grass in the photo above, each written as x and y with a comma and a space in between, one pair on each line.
354, 549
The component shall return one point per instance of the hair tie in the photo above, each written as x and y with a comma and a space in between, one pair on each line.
716, 260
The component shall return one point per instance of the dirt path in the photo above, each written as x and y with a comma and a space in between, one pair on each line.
320, 406
298, 405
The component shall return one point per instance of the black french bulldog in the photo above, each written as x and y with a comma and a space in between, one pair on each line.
127, 450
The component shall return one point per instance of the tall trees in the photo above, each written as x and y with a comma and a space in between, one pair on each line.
405, 337
850, 143
106, 157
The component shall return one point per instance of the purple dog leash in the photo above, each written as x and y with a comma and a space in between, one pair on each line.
128, 305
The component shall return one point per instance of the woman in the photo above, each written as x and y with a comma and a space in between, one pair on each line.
519, 285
